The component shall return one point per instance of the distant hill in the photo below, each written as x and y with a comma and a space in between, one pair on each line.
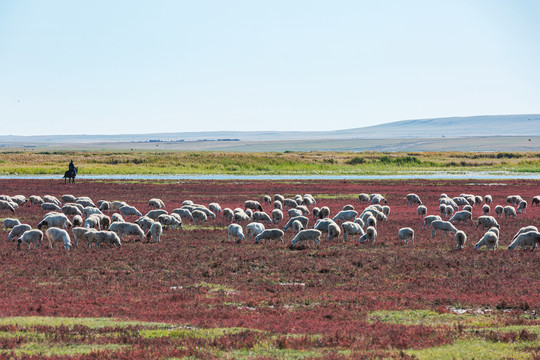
492, 125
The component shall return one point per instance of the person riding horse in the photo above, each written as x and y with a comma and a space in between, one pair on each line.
71, 166
71, 173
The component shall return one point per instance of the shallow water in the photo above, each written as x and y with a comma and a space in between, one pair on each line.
436, 175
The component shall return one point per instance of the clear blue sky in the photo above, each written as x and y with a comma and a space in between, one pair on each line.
98, 67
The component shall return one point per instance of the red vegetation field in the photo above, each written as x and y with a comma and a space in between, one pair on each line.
195, 277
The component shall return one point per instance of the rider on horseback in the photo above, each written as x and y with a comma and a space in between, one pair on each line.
71, 166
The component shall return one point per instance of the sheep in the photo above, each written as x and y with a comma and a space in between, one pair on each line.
128, 210
509, 211
144, 222
104, 206
428, 220
117, 218
199, 216
370, 221
460, 216
35, 200
69, 209
294, 213
363, 198
378, 199
185, 214
315, 212
328, 226
513, 200
77, 220
17, 231
386, 210
299, 199
499, 210
524, 230
277, 215
68, 198
208, 212
59, 236
31, 237
240, 216
468, 208
448, 202
421, 210
125, 228
535, 201
289, 204
89, 210
324, 212
278, 205
79, 233
308, 200
228, 214
116, 205
154, 214
279, 197
370, 235
486, 209
307, 236
490, 240
93, 222
55, 220
169, 221
347, 207
214, 207
86, 202
267, 199
253, 205
488, 199
187, 202
155, 232
442, 225
461, 238
155, 203
345, 215
262, 216
50, 207
487, 222
448, 211
297, 226
10, 223
526, 240
303, 220
270, 234
19, 199
406, 233
253, 229
52, 199
108, 237
522, 207
352, 228
360, 222
303, 209
413, 200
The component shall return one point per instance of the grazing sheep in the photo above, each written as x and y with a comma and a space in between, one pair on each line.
155, 232
509, 211
386, 210
55, 220
240, 216
228, 214
486, 209
303, 209
535, 201
443, 226
468, 208
144, 222
448, 211
253, 205
270, 234
117, 218
93, 222
315, 212
128, 210
169, 221
297, 226
155, 203
185, 214
279, 197
289, 204
478, 199
294, 213
322, 224
406, 233
89, 210
18, 230
214, 207
103, 236
524, 230
347, 207
364, 198
360, 222
6, 206
428, 220
308, 200
488, 199
487, 222
345, 215
449, 202
378, 199
253, 229
490, 240
10, 223
77, 220
154, 214
79, 233
499, 210
58, 236
277, 215
187, 202
278, 205
35, 200
421, 210
307, 236
125, 229
522, 207
526, 240
262, 216
370, 220
49, 207
52, 199
19, 199
369, 236
86, 202
460, 216
69, 209
351, 228
461, 239
208, 212
105, 206
200, 216
324, 212
299, 199
413, 200
267, 199
31, 237
118, 204
304, 220
513, 200
68, 198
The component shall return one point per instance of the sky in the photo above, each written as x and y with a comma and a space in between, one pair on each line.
116, 67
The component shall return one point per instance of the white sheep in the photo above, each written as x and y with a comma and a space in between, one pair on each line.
58, 236
364, 198
421, 210
103, 236
334, 231
386, 210
297, 226
125, 229
144, 222
315, 212
406, 233
117, 218
85, 201
295, 212
522, 207
490, 240
309, 200
93, 222
155, 232
10, 223
352, 228
18, 230
468, 208
488, 199
199, 216
90, 210
289, 204
128, 210
277, 215
347, 207
241, 216
104, 205
478, 199
55, 220
278, 205
262, 216
513, 200
253, 229
324, 212
79, 233
413, 200
19, 199
69, 209
487, 222
31, 237
526, 240
185, 214
345, 215
486, 209
369, 236
378, 199
154, 214
279, 197
323, 224
214, 207
370, 220
270, 234
461, 216
445, 226
52, 199
116, 205
509, 211
304, 220
156, 203
68, 198
429, 219
307, 236
228, 214
535, 201
77, 220
524, 230
499, 210
461, 238
267, 199
187, 202
360, 222
253, 205
49, 207
169, 221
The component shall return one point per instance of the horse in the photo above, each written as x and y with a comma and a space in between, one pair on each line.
69, 176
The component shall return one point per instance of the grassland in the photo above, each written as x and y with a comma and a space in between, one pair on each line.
285, 163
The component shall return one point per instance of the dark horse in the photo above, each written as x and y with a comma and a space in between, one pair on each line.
69, 176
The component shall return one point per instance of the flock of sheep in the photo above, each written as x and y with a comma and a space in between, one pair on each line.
88, 220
